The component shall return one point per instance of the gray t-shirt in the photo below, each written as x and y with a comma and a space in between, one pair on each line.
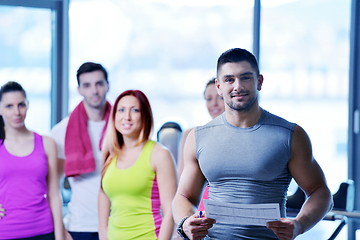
245, 165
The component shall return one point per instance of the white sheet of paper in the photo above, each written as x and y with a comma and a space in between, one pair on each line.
243, 214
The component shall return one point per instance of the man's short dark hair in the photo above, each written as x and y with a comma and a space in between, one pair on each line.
238, 55
91, 67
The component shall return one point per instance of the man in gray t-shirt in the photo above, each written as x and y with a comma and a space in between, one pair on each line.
247, 155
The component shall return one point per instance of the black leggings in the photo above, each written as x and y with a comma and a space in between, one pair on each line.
49, 236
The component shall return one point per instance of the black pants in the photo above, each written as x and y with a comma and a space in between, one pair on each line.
49, 236
84, 235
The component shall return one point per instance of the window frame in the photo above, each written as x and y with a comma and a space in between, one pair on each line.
59, 52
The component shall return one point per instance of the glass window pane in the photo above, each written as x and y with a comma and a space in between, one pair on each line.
25, 47
168, 49
305, 62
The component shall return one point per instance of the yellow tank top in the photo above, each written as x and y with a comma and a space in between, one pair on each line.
134, 198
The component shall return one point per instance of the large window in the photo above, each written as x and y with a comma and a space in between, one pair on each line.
168, 49
25, 47
305, 62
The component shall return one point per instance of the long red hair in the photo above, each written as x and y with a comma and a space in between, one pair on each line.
113, 141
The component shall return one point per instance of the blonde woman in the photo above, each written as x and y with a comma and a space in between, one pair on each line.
215, 106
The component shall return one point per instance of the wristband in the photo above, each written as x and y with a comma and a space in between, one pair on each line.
180, 229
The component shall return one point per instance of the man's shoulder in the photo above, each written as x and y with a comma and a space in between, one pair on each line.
60, 126
216, 122
272, 119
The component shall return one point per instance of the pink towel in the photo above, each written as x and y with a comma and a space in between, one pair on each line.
78, 151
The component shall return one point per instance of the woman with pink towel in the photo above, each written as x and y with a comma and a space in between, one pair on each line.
29, 183
138, 178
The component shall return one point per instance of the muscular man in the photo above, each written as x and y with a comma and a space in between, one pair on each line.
248, 156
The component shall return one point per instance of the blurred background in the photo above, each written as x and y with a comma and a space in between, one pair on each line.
169, 49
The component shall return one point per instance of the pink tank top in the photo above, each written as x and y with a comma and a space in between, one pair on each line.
23, 193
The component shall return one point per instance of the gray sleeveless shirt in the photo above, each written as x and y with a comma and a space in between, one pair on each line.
245, 165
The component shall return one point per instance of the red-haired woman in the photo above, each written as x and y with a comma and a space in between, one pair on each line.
138, 177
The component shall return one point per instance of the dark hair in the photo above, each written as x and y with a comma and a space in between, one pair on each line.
238, 55
211, 81
8, 87
90, 67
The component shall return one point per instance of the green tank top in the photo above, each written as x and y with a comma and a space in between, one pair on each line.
134, 198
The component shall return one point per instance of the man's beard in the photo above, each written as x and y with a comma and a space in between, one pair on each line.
242, 107
98, 105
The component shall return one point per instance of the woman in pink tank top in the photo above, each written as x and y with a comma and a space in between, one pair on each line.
30, 206
215, 106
